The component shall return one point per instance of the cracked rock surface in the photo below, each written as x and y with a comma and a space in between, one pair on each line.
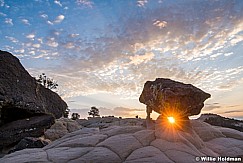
131, 144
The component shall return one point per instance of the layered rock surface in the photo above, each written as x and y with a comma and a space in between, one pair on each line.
137, 144
165, 95
22, 100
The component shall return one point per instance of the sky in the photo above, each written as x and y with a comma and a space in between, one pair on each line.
101, 52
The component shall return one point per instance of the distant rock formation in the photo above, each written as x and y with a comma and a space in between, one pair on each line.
166, 96
218, 120
24, 105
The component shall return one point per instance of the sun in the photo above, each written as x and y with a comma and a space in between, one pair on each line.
171, 119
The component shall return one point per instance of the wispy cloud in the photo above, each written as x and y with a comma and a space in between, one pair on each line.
45, 16
51, 42
12, 39
9, 21
2, 14
25, 21
2, 3
234, 111
181, 42
30, 36
142, 3
58, 3
87, 3
160, 24
59, 19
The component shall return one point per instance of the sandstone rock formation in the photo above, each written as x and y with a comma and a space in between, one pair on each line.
165, 96
22, 100
60, 128
131, 144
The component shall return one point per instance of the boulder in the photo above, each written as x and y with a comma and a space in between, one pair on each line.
30, 142
165, 96
22, 98
60, 128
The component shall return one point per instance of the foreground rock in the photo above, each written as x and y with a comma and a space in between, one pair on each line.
137, 144
30, 142
22, 98
60, 128
29, 127
165, 96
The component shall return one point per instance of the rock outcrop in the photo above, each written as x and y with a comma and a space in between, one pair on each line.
30, 127
217, 120
60, 128
22, 100
165, 96
137, 144
30, 142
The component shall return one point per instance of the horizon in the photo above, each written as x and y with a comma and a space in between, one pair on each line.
101, 53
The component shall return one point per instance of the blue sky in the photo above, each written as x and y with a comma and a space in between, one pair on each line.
102, 52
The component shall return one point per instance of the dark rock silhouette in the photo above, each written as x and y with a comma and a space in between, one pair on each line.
30, 142
22, 98
217, 120
30, 127
166, 96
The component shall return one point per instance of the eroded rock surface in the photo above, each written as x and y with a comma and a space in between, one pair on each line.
137, 144
60, 128
165, 95
22, 98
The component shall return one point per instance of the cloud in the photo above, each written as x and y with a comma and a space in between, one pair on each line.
45, 16
2, 14
8, 21
86, 3
51, 42
138, 59
73, 35
12, 39
2, 3
180, 42
58, 3
234, 111
228, 54
59, 19
142, 3
160, 24
25, 21
30, 36
36, 45
209, 107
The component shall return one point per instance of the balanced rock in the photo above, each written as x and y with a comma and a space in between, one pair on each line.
165, 95
22, 98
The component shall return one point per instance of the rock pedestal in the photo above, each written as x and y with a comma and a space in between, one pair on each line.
166, 96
